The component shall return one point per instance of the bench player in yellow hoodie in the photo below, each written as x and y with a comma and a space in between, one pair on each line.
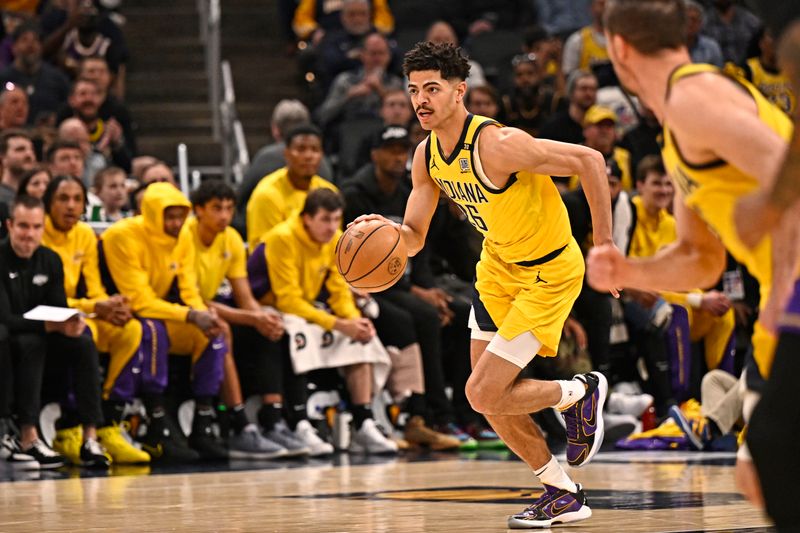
109, 318
146, 259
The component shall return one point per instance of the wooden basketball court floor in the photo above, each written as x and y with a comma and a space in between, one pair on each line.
645, 492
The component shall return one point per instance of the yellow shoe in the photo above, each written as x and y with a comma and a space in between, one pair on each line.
121, 451
68, 443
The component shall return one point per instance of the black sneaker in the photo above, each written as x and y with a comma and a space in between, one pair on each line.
204, 441
164, 442
44, 455
93, 455
13, 456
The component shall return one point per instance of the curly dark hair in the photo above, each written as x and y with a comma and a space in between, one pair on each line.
448, 59
213, 189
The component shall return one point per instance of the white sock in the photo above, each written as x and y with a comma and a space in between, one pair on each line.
552, 474
571, 391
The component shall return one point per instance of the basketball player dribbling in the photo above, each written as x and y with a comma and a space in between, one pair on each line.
722, 141
530, 271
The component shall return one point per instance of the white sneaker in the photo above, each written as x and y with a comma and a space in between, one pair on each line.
306, 433
13, 456
369, 439
629, 404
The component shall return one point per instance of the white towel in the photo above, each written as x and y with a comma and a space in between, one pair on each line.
312, 347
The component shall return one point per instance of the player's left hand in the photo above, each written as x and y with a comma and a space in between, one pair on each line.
604, 267
372, 216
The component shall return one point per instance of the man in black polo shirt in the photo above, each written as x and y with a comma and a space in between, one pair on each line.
32, 275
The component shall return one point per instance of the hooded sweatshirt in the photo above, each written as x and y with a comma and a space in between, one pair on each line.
145, 261
78, 251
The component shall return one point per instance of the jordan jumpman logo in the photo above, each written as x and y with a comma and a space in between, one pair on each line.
433, 162
538, 278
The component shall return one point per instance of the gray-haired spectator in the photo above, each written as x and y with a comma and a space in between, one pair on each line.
733, 27
286, 116
703, 49
74, 130
46, 86
567, 125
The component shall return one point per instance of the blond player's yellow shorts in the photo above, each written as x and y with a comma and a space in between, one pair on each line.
512, 299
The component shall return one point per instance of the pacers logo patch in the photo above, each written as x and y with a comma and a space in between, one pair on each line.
464, 164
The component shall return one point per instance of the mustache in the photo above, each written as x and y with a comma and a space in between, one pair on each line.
423, 108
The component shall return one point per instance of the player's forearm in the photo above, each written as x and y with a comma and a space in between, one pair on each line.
414, 239
232, 315
678, 267
595, 185
785, 191
785, 253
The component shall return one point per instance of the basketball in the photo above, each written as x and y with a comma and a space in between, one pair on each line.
371, 255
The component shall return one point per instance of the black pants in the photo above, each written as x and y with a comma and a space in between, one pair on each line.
774, 433
68, 365
429, 335
6, 378
457, 363
593, 310
265, 367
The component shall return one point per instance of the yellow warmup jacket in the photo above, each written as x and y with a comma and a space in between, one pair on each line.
298, 268
78, 251
274, 200
144, 261
305, 17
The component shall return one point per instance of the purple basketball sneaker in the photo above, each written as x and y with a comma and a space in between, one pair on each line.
584, 420
554, 506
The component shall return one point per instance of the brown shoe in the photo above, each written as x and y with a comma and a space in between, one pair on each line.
417, 433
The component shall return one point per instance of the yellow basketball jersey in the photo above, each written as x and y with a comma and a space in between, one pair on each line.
712, 189
775, 86
592, 52
523, 221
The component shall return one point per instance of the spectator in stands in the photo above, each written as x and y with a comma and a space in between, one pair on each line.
46, 86
106, 136
66, 158
96, 69
145, 258
257, 332
341, 50
112, 326
32, 275
732, 27
282, 193
11, 21
74, 130
483, 100
85, 40
395, 111
139, 165
382, 187
586, 48
314, 18
442, 32
16, 158
566, 125
109, 187
300, 256
563, 17
600, 133
355, 96
702, 48
642, 139
762, 69
61, 26
158, 172
34, 182
13, 108
547, 49
533, 98
287, 115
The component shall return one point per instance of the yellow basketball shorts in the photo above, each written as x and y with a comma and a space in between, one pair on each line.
511, 299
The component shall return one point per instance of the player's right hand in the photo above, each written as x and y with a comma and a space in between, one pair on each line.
604, 269
367, 218
358, 329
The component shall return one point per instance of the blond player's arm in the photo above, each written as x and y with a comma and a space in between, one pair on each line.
420, 207
732, 131
695, 260
504, 151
